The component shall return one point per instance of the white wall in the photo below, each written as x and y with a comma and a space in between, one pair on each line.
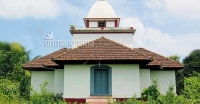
123, 38
59, 81
39, 77
165, 78
144, 79
125, 81
93, 24
110, 24
77, 81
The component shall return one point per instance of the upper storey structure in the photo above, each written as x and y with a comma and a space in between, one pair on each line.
103, 22
101, 15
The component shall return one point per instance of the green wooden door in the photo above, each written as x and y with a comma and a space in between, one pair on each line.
101, 81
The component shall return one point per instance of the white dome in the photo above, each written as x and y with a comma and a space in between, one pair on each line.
101, 9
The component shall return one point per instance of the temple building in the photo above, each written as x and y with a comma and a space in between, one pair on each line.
107, 66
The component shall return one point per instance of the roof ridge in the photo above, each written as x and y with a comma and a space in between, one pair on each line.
126, 46
103, 40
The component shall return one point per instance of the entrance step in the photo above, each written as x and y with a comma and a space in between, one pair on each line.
100, 97
99, 100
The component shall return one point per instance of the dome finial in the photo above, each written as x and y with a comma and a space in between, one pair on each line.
101, 9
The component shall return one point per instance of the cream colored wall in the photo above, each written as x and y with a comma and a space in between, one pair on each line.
110, 24
93, 24
144, 79
59, 81
165, 78
123, 38
39, 77
77, 81
125, 81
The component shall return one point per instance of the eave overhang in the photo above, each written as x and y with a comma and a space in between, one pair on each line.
63, 62
103, 30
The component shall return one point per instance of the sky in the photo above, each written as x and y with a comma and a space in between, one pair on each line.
167, 27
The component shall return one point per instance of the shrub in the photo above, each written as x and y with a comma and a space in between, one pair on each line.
171, 98
192, 89
9, 88
151, 91
45, 97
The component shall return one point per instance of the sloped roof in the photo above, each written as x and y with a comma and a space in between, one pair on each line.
159, 60
103, 49
45, 60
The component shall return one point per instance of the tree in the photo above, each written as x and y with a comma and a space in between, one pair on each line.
191, 64
12, 56
192, 89
175, 58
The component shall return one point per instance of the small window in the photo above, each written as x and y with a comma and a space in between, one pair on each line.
101, 24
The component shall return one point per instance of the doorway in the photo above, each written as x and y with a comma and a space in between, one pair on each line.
101, 81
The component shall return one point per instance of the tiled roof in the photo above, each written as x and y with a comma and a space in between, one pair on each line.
159, 60
102, 49
46, 60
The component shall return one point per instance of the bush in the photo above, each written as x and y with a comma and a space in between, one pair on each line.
152, 91
45, 97
171, 98
9, 92
9, 88
192, 89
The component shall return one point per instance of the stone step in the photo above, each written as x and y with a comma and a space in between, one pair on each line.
98, 101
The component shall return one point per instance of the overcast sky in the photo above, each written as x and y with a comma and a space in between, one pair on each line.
168, 27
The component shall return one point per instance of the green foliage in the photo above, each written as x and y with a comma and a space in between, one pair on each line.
12, 56
10, 93
193, 57
72, 26
5, 46
192, 63
179, 81
170, 97
45, 97
191, 66
191, 94
192, 89
152, 91
9, 88
175, 58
